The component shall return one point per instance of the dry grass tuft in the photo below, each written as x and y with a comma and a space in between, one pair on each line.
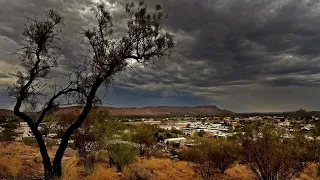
159, 169
13, 158
237, 172
71, 169
102, 173
310, 173
10, 166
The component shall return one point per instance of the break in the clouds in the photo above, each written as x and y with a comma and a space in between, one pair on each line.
242, 55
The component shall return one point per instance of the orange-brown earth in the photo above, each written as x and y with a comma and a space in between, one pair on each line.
18, 161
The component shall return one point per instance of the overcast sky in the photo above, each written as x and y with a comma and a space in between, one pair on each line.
241, 55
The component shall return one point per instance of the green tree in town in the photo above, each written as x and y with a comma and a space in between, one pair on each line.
8, 125
145, 137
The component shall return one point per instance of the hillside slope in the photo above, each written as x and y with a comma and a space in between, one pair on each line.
145, 111
156, 110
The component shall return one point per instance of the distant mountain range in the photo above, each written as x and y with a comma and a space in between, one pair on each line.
145, 111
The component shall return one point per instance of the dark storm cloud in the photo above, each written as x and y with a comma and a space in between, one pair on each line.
226, 50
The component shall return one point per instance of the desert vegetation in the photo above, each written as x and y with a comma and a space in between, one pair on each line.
117, 150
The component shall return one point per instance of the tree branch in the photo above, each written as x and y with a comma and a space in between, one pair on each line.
51, 101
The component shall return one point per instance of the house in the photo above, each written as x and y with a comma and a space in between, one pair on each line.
188, 131
283, 124
175, 140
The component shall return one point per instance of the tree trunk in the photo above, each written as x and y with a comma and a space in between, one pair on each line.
65, 138
47, 167
58, 157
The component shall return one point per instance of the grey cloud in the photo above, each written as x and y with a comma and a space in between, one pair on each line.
227, 50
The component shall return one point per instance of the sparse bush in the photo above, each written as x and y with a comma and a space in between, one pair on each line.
88, 163
212, 155
173, 152
140, 173
102, 156
122, 154
269, 156
8, 126
145, 137
156, 153
176, 131
29, 141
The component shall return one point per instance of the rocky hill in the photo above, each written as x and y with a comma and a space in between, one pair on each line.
5, 112
156, 110
145, 111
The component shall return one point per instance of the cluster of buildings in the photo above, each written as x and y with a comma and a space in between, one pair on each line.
190, 128
221, 127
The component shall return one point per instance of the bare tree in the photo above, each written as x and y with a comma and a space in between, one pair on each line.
143, 41
212, 156
271, 157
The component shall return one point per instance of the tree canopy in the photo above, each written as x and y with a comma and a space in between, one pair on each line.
144, 41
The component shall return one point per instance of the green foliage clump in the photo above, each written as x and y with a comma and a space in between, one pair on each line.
122, 154
29, 141
7, 127
212, 155
162, 134
145, 136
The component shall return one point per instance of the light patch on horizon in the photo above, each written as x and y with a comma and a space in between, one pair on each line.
6, 73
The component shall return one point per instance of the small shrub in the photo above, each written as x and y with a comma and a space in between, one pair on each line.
8, 126
173, 152
156, 153
29, 141
102, 156
212, 156
140, 173
89, 162
71, 169
122, 154
269, 156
